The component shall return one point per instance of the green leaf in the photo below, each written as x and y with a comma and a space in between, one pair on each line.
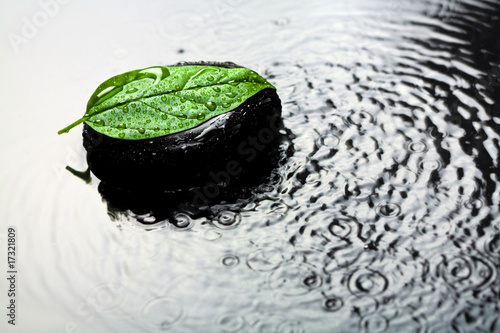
157, 101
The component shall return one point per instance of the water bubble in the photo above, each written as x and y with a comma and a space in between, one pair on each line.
141, 130
233, 82
210, 78
216, 89
131, 90
182, 116
227, 220
388, 209
182, 99
226, 105
125, 109
162, 312
182, 221
340, 227
230, 94
164, 116
229, 260
121, 135
200, 116
312, 281
164, 98
329, 141
363, 282
416, 147
429, 165
332, 304
121, 126
211, 106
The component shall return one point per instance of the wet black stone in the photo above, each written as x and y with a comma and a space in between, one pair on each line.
222, 150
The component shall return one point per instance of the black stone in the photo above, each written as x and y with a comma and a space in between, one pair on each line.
222, 150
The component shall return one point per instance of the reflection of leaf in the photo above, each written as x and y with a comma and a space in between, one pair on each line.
83, 175
158, 101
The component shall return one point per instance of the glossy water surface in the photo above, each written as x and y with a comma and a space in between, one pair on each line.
385, 219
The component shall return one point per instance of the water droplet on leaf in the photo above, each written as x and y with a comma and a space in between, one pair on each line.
99, 122
211, 106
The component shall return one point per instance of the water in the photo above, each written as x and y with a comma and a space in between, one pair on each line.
385, 218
